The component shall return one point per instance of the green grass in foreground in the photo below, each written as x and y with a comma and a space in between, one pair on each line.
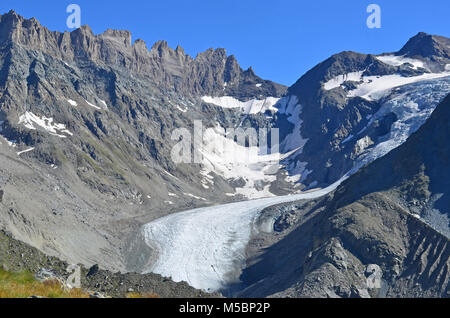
24, 285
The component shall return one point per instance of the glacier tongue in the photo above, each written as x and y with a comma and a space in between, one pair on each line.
205, 246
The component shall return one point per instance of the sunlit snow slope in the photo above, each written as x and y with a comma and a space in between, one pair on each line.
203, 246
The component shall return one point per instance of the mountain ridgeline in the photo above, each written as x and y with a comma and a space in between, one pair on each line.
163, 66
86, 138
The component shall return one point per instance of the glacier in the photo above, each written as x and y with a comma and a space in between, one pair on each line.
204, 246
412, 104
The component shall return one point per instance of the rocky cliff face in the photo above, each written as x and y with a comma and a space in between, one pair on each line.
166, 68
355, 106
431, 47
388, 223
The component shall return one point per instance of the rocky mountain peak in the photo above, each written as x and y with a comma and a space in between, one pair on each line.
232, 69
11, 16
179, 50
341, 96
140, 47
250, 71
427, 46
341, 63
122, 36
168, 68
14, 27
212, 55
162, 50
160, 46
432, 48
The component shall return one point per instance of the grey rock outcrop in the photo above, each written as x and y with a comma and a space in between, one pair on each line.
433, 47
369, 237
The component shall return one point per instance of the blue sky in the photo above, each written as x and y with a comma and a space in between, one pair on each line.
280, 39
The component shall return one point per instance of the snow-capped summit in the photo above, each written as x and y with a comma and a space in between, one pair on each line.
353, 103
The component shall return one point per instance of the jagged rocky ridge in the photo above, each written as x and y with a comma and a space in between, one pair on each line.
163, 66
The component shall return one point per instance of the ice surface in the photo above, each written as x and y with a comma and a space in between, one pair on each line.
376, 87
413, 105
203, 246
225, 157
260, 169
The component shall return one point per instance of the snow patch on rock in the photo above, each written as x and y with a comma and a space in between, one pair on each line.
92, 105
293, 144
194, 196
225, 157
395, 60
376, 87
72, 102
253, 106
341, 79
25, 151
34, 122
